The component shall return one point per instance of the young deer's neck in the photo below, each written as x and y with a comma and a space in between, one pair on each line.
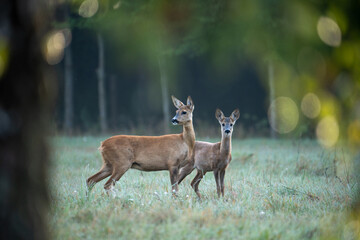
189, 134
225, 145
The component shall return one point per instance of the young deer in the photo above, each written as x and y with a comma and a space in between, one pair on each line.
148, 153
212, 156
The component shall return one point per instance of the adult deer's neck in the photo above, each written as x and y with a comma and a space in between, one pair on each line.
225, 145
189, 134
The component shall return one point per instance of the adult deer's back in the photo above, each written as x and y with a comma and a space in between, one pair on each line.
148, 153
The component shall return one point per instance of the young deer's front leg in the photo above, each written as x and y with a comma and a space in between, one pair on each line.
217, 180
195, 183
222, 176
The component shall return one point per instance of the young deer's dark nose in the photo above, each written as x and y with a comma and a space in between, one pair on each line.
227, 131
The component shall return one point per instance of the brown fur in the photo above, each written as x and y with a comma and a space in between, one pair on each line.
148, 153
212, 156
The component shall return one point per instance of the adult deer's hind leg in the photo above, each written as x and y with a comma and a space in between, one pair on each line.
104, 172
118, 172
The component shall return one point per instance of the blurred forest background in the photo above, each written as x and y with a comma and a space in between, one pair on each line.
291, 67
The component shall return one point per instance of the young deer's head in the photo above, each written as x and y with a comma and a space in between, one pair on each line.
227, 123
184, 112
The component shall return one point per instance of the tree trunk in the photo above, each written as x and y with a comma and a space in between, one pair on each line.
272, 112
113, 101
164, 95
101, 85
68, 93
25, 104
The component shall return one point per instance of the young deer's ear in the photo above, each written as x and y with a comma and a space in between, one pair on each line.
235, 114
219, 114
177, 103
190, 103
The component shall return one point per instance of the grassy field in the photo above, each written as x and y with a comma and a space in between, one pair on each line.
274, 189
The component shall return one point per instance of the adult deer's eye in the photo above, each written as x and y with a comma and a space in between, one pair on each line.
183, 113
231, 124
223, 124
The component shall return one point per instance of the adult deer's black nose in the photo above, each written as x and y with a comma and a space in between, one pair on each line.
227, 131
174, 121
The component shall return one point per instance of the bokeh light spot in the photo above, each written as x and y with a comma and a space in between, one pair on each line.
54, 47
354, 132
329, 104
68, 36
329, 31
310, 105
88, 8
327, 131
117, 5
4, 52
2, 66
283, 115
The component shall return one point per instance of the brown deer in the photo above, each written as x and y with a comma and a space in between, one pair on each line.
148, 153
212, 156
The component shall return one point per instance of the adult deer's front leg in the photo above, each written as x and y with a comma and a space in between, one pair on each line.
186, 170
174, 173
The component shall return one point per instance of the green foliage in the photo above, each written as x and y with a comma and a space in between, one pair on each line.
273, 190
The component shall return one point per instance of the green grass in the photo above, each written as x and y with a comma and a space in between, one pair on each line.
274, 189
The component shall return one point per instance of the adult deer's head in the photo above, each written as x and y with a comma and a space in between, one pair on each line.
183, 112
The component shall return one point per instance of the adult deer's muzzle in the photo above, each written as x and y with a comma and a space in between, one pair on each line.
175, 121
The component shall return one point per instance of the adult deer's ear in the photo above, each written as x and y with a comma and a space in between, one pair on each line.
177, 103
190, 103
235, 114
219, 115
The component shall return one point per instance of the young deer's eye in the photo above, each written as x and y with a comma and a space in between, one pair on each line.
223, 124
183, 113
231, 124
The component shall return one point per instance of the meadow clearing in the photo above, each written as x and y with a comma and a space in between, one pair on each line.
274, 189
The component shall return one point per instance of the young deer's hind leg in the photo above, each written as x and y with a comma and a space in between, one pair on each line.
118, 172
104, 172
195, 183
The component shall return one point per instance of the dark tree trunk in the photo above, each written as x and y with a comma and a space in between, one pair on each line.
68, 87
101, 85
25, 87
164, 95
113, 101
272, 112
68, 93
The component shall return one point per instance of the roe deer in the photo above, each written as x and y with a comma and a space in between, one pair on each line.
212, 156
148, 153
